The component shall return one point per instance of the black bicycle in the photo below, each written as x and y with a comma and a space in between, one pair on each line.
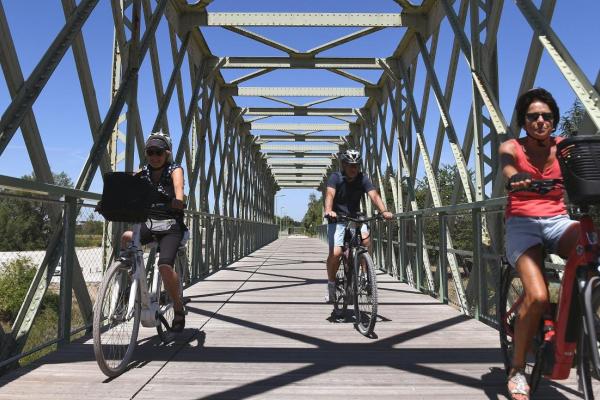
355, 280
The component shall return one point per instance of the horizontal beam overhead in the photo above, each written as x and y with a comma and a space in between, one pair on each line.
203, 18
299, 172
299, 138
296, 185
299, 147
294, 62
299, 127
234, 90
298, 155
299, 111
301, 161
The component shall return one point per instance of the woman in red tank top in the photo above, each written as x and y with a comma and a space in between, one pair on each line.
533, 220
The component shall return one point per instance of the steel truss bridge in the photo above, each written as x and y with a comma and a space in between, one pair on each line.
435, 100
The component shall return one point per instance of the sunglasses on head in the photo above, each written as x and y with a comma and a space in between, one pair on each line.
532, 117
154, 152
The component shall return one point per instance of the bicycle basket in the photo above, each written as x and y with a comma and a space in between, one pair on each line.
579, 159
125, 197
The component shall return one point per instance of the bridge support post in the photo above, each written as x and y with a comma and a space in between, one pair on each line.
68, 264
478, 266
401, 251
442, 260
420, 250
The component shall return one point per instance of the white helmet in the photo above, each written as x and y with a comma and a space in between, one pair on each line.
351, 156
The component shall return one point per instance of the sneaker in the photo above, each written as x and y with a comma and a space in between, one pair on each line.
330, 296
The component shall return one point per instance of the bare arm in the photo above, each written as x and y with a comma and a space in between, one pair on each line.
376, 199
177, 177
329, 195
507, 163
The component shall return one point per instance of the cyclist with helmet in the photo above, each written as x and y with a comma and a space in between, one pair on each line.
345, 189
534, 221
167, 178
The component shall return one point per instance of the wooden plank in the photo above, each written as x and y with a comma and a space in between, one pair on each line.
260, 329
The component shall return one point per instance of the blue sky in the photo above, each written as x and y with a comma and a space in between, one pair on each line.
62, 119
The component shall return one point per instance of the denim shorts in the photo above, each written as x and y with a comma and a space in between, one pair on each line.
523, 233
335, 233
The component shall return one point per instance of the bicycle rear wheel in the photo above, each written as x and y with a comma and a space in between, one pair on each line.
365, 294
115, 329
340, 303
511, 290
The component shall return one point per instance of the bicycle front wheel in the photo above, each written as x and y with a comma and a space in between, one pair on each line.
588, 346
511, 292
116, 323
365, 294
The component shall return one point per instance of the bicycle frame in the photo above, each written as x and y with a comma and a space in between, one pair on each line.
148, 301
576, 280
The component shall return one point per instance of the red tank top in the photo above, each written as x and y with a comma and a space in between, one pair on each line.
530, 204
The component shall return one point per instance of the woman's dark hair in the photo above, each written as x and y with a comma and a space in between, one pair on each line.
529, 97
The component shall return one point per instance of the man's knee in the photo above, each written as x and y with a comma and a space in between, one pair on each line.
335, 252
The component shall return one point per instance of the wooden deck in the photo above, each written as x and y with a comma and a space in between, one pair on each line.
260, 329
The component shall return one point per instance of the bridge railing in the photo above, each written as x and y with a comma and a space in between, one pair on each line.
52, 258
413, 248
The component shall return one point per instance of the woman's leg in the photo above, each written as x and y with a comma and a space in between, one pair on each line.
171, 281
126, 238
529, 267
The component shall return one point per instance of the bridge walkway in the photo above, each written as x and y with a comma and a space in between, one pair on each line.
260, 329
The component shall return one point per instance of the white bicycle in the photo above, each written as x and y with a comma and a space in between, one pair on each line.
128, 296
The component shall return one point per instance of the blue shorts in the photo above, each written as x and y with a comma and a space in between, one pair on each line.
523, 233
335, 233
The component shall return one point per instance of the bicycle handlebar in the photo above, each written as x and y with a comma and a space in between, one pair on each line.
541, 186
344, 218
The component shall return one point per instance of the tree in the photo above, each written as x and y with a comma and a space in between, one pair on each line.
460, 225
314, 214
570, 121
25, 224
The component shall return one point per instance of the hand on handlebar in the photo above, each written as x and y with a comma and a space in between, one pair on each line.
177, 204
519, 181
331, 216
387, 215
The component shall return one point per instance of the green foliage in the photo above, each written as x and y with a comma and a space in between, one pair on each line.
25, 224
314, 214
460, 226
88, 240
571, 120
15, 278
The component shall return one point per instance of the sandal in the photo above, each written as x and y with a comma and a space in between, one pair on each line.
520, 386
178, 321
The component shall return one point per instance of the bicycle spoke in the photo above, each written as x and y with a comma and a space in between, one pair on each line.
116, 321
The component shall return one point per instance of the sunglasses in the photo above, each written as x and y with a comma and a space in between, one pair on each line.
154, 152
532, 117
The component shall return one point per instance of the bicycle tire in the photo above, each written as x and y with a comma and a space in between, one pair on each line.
340, 303
584, 365
510, 290
365, 294
115, 338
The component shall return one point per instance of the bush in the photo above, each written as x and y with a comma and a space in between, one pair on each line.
88, 240
15, 278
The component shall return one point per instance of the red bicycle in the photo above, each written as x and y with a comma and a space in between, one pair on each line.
570, 329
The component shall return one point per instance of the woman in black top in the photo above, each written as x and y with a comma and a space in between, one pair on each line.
168, 231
